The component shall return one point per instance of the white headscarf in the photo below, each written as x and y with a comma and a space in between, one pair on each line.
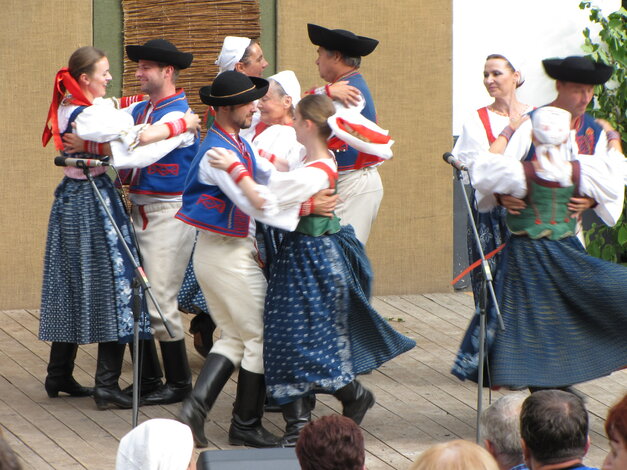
233, 49
157, 444
288, 81
551, 128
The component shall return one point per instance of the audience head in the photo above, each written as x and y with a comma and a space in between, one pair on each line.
616, 429
331, 443
500, 429
554, 427
157, 444
455, 455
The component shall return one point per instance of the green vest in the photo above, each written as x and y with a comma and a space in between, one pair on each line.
316, 225
546, 214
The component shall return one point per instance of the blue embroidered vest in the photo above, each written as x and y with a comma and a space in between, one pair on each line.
587, 137
347, 157
166, 176
206, 206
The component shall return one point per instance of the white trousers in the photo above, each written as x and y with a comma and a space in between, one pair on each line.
235, 288
166, 246
361, 192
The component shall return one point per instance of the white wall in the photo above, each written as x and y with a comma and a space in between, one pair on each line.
525, 31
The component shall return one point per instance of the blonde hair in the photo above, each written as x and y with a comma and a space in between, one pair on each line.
455, 455
317, 109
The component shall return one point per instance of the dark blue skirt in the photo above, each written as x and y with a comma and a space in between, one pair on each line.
86, 295
493, 232
565, 315
320, 330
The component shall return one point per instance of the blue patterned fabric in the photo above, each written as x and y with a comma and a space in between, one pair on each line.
320, 330
190, 298
493, 232
86, 295
565, 315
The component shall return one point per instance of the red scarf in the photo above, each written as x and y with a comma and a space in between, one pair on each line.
63, 83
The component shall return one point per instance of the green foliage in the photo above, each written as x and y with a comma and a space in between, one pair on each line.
609, 243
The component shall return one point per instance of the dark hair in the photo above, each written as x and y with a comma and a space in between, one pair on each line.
317, 109
331, 443
508, 64
616, 422
246, 57
175, 72
554, 426
83, 60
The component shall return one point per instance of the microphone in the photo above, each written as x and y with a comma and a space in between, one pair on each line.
451, 160
79, 162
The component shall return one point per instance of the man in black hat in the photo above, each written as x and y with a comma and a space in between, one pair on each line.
576, 77
156, 192
226, 265
361, 190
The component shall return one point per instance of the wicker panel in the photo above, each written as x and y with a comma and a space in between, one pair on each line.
196, 26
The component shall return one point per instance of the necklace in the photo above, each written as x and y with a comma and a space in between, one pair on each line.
495, 111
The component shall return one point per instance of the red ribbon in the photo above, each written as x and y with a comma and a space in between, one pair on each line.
476, 263
63, 83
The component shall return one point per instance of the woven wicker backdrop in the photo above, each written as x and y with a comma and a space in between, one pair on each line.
196, 26
409, 75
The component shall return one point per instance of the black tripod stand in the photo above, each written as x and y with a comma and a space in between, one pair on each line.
140, 281
486, 287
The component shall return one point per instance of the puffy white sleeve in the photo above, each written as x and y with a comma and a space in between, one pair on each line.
281, 141
284, 217
520, 143
470, 142
103, 122
603, 179
492, 173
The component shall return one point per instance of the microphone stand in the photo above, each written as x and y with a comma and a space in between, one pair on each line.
486, 287
139, 280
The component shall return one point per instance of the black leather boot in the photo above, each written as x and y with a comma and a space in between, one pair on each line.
202, 327
214, 374
296, 415
356, 400
108, 370
246, 428
60, 368
178, 376
149, 367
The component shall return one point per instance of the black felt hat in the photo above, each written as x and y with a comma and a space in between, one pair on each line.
231, 88
341, 40
160, 50
578, 69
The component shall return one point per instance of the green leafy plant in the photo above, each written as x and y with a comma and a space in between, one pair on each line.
609, 243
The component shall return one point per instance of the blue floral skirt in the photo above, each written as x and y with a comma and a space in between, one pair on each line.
565, 315
493, 232
320, 330
86, 295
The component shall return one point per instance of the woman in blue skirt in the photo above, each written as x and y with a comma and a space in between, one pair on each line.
86, 295
565, 312
320, 330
